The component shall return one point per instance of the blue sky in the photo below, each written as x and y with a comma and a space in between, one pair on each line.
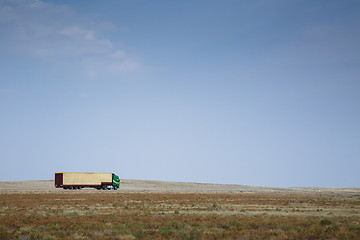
262, 93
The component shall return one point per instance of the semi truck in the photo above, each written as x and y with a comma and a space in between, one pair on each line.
79, 180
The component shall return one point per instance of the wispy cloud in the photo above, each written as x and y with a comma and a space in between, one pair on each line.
8, 91
95, 68
75, 31
118, 54
7, 14
44, 30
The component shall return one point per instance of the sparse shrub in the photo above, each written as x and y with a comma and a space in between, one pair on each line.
331, 228
235, 225
138, 235
355, 227
4, 234
213, 207
52, 227
326, 221
26, 232
166, 231
285, 227
49, 238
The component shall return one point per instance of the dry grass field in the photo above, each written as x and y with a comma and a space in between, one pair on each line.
267, 214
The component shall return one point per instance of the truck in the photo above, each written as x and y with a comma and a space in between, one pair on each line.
79, 180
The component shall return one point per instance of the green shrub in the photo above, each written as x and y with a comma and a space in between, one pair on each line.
354, 227
4, 234
326, 221
166, 231
332, 228
138, 235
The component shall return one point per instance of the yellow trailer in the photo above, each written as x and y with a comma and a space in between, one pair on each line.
78, 180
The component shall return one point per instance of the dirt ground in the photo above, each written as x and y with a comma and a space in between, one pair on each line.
175, 210
72, 214
136, 186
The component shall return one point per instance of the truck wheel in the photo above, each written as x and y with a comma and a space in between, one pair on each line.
115, 187
104, 187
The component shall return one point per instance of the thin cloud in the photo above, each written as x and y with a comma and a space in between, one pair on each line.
7, 14
94, 68
46, 30
118, 54
75, 31
8, 91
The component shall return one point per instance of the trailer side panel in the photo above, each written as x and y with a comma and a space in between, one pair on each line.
86, 179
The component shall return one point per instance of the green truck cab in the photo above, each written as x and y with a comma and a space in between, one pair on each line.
115, 181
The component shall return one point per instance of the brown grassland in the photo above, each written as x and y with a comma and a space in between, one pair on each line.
116, 215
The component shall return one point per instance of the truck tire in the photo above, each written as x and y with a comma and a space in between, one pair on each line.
115, 187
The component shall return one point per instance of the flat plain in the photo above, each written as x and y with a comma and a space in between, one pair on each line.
171, 210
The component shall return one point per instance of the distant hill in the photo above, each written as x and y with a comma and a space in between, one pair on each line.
128, 185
